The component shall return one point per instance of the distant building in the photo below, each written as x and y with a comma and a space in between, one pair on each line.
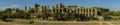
85, 11
15, 10
42, 9
67, 9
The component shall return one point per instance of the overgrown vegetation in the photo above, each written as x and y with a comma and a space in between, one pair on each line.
58, 16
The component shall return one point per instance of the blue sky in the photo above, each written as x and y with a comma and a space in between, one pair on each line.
111, 4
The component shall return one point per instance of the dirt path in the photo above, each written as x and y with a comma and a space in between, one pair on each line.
24, 22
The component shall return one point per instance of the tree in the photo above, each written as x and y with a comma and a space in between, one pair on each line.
72, 16
74, 6
106, 16
102, 10
57, 16
113, 13
30, 11
66, 17
1, 17
45, 15
8, 10
82, 7
37, 5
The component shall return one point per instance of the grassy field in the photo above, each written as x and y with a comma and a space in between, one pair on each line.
24, 22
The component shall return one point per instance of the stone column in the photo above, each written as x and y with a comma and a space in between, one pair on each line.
80, 10
76, 10
91, 13
95, 11
58, 10
85, 11
62, 10
52, 10
88, 12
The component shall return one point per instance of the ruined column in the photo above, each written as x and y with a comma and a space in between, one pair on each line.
88, 12
95, 11
91, 13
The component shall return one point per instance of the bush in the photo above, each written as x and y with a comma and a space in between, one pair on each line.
30, 21
107, 18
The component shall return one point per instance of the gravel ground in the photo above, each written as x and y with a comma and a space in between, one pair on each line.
24, 22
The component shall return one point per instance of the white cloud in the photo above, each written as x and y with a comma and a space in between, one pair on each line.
11, 6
